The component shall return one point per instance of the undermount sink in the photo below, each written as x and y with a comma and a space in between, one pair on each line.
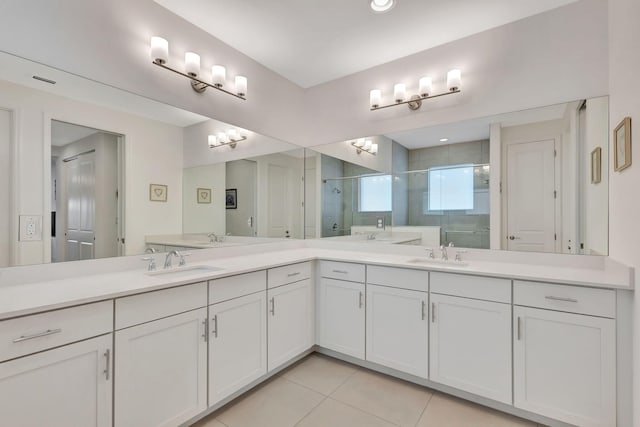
184, 271
438, 262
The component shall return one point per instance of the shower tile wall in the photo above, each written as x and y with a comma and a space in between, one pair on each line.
332, 197
351, 214
460, 227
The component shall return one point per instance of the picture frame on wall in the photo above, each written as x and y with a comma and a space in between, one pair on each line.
158, 192
204, 195
622, 145
231, 198
596, 165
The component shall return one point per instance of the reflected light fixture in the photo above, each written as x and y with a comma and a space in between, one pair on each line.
444, 139
425, 91
160, 57
382, 6
365, 145
230, 138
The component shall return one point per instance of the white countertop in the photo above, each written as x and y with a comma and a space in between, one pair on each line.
29, 298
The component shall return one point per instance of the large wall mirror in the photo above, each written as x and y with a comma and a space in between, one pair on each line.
90, 171
533, 180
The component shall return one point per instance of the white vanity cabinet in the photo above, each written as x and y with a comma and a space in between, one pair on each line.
161, 357
564, 353
397, 325
237, 333
341, 308
470, 341
70, 385
291, 313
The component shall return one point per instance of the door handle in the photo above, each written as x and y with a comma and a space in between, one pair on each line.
424, 305
107, 369
360, 300
273, 306
215, 326
433, 312
512, 237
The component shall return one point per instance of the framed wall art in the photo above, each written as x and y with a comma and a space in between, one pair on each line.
204, 195
231, 198
596, 165
622, 145
158, 192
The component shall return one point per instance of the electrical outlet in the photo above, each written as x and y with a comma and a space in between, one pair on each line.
380, 223
30, 227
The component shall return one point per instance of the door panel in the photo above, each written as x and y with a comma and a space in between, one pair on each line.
81, 206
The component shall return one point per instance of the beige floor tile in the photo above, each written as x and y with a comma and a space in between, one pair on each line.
280, 403
210, 421
320, 373
447, 411
336, 414
394, 400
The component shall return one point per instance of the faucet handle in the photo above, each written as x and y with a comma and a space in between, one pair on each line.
459, 254
182, 262
152, 262
450, 244
430, 250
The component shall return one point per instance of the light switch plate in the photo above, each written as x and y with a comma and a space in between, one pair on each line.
30, 227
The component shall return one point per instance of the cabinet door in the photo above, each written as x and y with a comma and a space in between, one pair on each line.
290, 322
471, 346
67, 386
160, 368
564, 366
398, 329
237, 344
341, 308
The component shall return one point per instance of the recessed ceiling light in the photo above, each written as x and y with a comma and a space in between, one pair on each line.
381, 6
444, 139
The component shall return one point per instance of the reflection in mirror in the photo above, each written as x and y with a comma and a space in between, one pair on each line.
71, 216
517, 181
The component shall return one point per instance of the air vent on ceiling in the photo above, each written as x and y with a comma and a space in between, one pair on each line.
42, 79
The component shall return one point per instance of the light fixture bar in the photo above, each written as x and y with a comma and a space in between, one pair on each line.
415, 100
366, 147
197, 84
231, 142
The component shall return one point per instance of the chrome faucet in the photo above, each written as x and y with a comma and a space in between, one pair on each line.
430, 250
167, 260
213, 237
150, 250
444, 256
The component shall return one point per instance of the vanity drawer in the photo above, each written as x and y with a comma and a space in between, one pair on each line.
30, 334
572, 299
417, 280
477, 287
237, 286
342, 271
150, 306
288, 274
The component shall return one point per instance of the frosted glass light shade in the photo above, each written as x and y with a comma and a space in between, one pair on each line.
380, 6
400, 92
359, 143
454, 79
218, 75
222, 138
374, 149
367, 145
426, 86
233, 134
241, 85
192, 64
159, 50
213, 141
375, 98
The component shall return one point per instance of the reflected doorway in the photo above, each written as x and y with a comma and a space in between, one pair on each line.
85, 193
242, 176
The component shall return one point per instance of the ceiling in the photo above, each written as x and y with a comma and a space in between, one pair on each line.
65, 133
314, 41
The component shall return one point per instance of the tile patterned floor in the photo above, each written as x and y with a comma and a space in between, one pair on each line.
323, 392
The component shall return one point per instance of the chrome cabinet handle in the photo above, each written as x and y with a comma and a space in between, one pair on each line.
433, 312
37, 335
519, 329
206, 330
273, 306
360, 298
293, 274
107, 369
551, 297
341, 271
424, 306
215, 326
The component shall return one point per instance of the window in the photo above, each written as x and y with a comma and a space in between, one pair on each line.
451, 188
375, 193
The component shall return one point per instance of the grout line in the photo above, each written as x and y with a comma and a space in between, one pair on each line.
311, 410
425, 408
225, 425
355, 371
362, 410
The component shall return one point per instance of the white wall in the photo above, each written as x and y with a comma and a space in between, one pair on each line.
343, 150
204, 217
153, 152
624, 203
5, 187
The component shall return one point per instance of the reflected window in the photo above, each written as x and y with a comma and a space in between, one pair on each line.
451, 188
375, 193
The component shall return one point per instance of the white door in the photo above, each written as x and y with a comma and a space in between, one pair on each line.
398, 329
290, 322
161, 371
81, 207
67, 386
280, 209
341, 316
531, 196
237, 344
564, 366
470, 346
5, 187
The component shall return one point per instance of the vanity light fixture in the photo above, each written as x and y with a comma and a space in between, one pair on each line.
230, 138
365, 145
381, 6
425, 90
444, 139
160, 57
